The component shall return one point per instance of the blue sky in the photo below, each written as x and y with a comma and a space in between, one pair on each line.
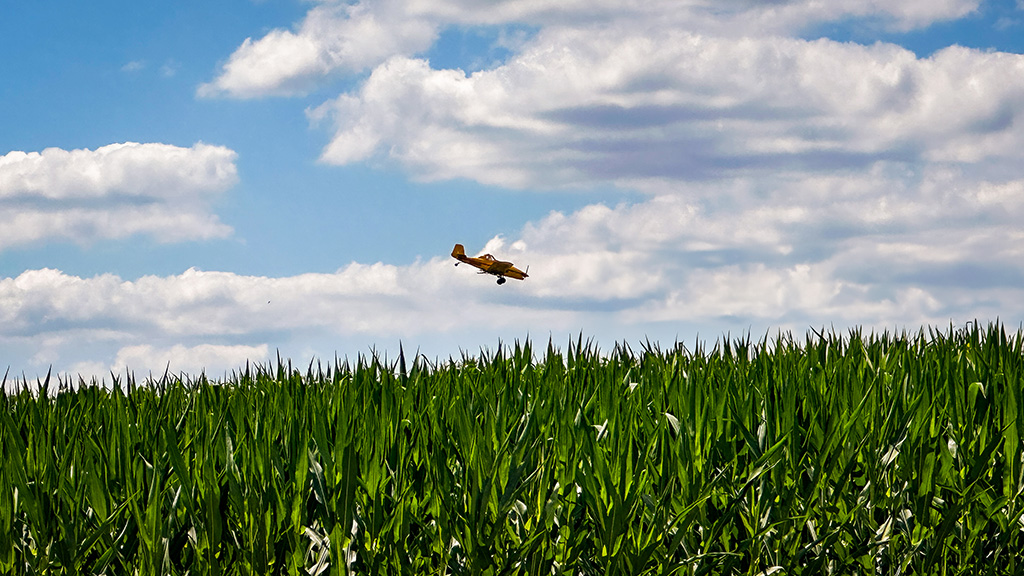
204, 183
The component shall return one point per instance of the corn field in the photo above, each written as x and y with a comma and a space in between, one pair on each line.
834, 454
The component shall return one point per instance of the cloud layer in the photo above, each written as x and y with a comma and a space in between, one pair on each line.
114, 191
337, 37
663, 268
576, 108
785, 181
154, 319
790, 182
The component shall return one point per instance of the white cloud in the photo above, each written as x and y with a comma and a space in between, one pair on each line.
578, 108
170, 68
337, 37
114, 191
164, 223
130, 169
333, 37
359, 298
787, 181
142, 323
144, 361
895, 15
878, 249
209, 358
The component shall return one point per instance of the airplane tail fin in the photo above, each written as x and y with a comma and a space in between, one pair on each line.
459, 250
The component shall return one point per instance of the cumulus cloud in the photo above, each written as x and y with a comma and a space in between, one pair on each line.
375, 298
333, 37
134, 66
875, 234
39, 307
208, 358
143, 361
577, 108
785, 181
113, 191
336, 37
876, 249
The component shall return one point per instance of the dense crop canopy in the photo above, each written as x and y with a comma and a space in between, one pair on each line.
847, 454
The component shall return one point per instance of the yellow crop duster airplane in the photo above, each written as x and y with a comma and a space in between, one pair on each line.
489, 265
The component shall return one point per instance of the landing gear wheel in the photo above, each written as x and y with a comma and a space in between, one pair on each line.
501, 281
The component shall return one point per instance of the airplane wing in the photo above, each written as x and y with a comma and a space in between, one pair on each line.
499, 267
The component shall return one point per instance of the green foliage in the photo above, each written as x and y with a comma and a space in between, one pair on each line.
884, 454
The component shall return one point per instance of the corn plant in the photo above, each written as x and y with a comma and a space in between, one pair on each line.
829, 454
